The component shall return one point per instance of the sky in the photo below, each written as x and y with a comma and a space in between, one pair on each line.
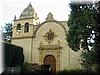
9, 8
59, 8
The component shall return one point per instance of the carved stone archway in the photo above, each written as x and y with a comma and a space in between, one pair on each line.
54, 50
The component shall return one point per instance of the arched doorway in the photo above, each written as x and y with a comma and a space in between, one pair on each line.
50, 60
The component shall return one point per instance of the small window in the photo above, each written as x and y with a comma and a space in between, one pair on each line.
18, 27
26, 28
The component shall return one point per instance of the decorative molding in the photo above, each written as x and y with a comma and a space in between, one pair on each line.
22, 37
50, 47
49, 36
24, 19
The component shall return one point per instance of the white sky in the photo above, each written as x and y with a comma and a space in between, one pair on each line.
10, 8
59, 8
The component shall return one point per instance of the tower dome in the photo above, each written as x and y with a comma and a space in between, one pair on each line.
28, 12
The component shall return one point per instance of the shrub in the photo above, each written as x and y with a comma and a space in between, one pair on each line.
34, 69
74, 72
31, 68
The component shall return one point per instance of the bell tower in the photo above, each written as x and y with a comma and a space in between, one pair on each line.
26, 24
23, 29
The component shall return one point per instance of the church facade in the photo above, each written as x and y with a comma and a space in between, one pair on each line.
44, 43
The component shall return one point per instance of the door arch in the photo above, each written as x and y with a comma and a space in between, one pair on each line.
50, 60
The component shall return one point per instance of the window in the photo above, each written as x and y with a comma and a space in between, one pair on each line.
18, 27
26, 28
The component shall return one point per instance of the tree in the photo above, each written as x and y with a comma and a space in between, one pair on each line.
7, 33
81, 27
97, 33
13, 55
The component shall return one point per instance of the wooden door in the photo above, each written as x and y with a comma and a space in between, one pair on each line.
50, 60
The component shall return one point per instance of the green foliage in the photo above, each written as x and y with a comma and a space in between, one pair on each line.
88, 58
74, 72
97, 31
29, 68
81, 23
81, 26
7, 33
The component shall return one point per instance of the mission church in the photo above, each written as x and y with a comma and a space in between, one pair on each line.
44, 43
